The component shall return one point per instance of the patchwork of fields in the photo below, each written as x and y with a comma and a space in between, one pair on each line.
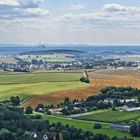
31, 84
51, 87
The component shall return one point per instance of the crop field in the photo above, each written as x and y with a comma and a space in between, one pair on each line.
24, 78
58, 96
53, 86
36, 89
115, 78
33, 84
110, 116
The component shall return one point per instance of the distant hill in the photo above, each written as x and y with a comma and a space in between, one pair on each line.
52, 52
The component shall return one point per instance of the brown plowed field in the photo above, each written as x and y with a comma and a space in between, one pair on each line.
99, 80
57, 97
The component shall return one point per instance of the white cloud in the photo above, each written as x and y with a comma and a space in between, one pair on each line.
115, 8
37, 11
9, 2
77, 6
17, 9
111, 15
112, 23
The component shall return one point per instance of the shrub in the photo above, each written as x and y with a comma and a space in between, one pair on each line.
84, 79
97, 126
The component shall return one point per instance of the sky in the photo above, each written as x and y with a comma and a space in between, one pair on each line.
98, 22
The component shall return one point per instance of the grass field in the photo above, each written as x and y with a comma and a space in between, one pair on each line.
110, 116
130, 58
33, 84
87, 126
13, 78
25, 90
48, 57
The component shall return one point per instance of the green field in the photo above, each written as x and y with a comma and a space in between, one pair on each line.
25, 85
86, 125
12, 78
48, 57
130, 58
110, 116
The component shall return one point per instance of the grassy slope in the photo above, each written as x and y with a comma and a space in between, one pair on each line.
110, 116
25, 85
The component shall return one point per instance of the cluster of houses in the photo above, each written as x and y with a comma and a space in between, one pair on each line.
112, 100
34, 135
129, 104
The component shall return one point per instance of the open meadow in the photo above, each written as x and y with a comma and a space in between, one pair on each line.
110, 116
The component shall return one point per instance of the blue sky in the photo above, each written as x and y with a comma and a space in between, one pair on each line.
70, 22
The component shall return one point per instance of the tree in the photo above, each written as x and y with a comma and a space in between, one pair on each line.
6, 135
15, 100
66, 135
133, 129
138, 99
40, 108
29, 110
97, 126
84, 79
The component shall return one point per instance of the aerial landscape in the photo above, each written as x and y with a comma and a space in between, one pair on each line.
69, 70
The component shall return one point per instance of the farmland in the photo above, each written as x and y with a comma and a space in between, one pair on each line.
110, 116
115, 78
51, 87
130, 58
25, 78
58, 96
30, 84
56, 57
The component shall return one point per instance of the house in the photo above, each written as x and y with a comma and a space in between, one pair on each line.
127, 100
109, 100
78, 103
31, 134
56, 111
45, 137
121, 127
130, 109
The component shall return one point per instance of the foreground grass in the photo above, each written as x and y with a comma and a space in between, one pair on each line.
110, 116
86, 125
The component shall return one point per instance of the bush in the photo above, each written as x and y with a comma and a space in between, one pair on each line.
38, 116
97, 126
29, 110
84, 79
